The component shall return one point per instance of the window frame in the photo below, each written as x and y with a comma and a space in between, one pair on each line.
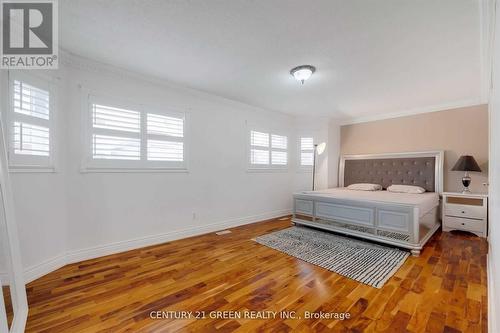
31, 163
89, 164
266, 167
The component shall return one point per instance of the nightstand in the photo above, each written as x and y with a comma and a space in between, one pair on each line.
465, 211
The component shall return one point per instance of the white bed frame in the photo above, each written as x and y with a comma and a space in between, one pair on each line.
389, 223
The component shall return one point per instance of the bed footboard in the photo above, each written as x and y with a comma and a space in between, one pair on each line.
394, 224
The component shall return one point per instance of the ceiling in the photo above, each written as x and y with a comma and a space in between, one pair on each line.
372, 57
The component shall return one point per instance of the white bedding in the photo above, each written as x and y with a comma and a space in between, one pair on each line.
425, 201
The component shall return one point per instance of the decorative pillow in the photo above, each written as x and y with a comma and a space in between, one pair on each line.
406, 189
365, 187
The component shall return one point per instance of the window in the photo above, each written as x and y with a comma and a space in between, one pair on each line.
133, 138
306, 151
268, 150
30, 128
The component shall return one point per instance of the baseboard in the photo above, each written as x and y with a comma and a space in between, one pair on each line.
4, 279
47, 266
492, 319
36, 271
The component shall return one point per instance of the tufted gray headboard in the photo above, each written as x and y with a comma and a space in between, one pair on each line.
423, 169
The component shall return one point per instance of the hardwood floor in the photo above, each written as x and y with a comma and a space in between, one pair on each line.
8, 304
443, 290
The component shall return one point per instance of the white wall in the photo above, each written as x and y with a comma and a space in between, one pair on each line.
70, 215
333, 152
494, 189
107, 208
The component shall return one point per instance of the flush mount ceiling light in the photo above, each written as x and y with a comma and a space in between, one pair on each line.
302, 73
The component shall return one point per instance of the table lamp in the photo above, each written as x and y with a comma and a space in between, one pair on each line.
466, 163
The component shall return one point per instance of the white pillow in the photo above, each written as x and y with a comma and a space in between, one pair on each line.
365, 187
406, 189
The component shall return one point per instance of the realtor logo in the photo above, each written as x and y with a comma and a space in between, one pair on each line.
29, 34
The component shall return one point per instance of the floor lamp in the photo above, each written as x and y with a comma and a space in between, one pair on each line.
318, 150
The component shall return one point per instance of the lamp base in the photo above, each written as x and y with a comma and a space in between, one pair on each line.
466, 183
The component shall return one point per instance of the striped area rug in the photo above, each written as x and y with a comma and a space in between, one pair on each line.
368, 263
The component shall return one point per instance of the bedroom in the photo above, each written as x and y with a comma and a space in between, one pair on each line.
158, 177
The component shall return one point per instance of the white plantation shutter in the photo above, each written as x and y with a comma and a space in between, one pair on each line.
31, 139
259, 148
259, 139
306, 158
306, 144
306, 151
159, 150
108, 117
165, 138
30, 100
279, 154
116, 148
164, 125
135, 139
259, 157
279, 141
268, 150
116, 133
279, 157
30, 124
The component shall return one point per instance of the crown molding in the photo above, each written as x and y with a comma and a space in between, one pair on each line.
412, 112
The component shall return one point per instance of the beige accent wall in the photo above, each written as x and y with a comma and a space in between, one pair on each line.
462, 131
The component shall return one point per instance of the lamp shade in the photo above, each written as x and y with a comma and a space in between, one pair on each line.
320, 149
466, 163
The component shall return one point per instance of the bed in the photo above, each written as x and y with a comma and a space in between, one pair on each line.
400, 219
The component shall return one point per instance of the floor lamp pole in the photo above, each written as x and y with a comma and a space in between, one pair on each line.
314, 165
